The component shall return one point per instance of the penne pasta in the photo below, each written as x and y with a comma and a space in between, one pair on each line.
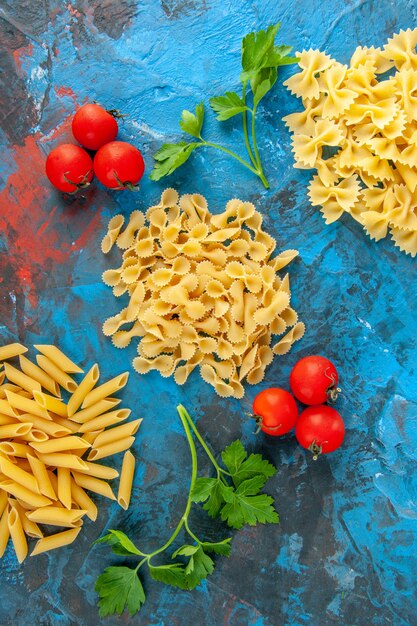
83, 500
99, 471
5, 408
14, 430
17, 534
116, 433
60, 359
107, 419
13, 448
111, 448
7, 419
64, 486
56, 373
91, 436
20, 379
3, 501
66, 423
34, 435
11, 350
56, 516
4, 531
19, 475
31, 528
42, 477
126, 480
26, 405
94, 484
35, 372
85, 386
59, 459
21, 493
105, 390
55, 541
8, 387
2, 375
95, 409
47, 426
58, 445
49, 403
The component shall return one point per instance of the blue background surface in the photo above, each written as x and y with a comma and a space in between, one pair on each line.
345, 551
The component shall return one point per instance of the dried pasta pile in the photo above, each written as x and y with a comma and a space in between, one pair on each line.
44, 478
372, 121
203, 291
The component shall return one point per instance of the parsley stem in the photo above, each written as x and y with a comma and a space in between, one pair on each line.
192, 535
255, 148
245, 127
139, 565
232, 154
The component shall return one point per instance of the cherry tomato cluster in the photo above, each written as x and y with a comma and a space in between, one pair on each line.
117, 164
319, 428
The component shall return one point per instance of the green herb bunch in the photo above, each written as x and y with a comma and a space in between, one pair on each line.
233, 494
260, 61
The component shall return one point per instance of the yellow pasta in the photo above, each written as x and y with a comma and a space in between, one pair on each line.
43, 477
11, 350
373, 123
203, 288
126, 480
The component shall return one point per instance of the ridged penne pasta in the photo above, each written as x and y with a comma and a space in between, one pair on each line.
53, 542
126, 480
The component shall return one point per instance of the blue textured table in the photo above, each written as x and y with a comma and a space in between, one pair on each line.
345, 551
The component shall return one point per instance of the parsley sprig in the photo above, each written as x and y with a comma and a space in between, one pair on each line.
233, 494
260, 60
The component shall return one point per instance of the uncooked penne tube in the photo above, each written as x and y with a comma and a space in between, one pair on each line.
91, 436
126, 480
55, 541
17, 534
35, 372
59, 445
85, 386
26, 405
60, 359
94, 484
66, 423
13, 448
59, 459
5, 408
21, 493
11, 350
49, 403
56, 516
64, 486
3, 501
107, 419
18, 475
34, 435
47, 426
83, 500
111, 448
7, 387
94, 410
4, 531
116, 433
7, 419
99, 471
19, 378
105, 390
56, 373
41, 475
30, 528
14, 430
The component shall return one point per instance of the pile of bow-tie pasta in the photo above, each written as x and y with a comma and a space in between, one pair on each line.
371, 118
203, 291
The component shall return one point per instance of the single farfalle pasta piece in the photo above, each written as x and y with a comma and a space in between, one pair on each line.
208, 296
358, 129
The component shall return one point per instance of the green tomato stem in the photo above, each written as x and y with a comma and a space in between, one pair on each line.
245, 127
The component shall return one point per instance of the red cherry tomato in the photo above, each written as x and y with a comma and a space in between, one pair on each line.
69, 167
276, 411
320, 429
93, 126
314, 379
119, 165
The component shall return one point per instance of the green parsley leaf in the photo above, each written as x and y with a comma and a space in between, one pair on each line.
253, 466
185, 550
198, 568
119, 588
255, 49
171, 156
264, 80
120, 543
228, 105
171, 574
248, 508
219, 547
203, 488
214, 491
192, 124
234, 455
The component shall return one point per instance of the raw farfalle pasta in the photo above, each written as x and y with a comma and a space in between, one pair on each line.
48, 445
203, 292
358, 129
